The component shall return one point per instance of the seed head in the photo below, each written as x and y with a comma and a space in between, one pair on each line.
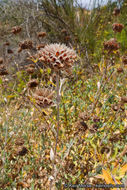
33, 83
16, 29
58, 56
111, 45
3, 70
116, 11
117, 27
43, 97
27, 44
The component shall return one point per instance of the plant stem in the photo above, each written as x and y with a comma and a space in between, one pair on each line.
58, 112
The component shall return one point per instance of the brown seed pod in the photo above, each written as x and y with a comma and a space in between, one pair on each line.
117, 27
111, 45
33, 83
27, 44
41, 34
1, 60
120, 70
9, 51
116, 11
124, 59
124, 99
16, 29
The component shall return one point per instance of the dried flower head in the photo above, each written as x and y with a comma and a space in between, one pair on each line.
117, 27
124, 59
43, 97
41, 34
58, 56
116, 11
120, 70
1, 60
9, 51
111, 45
27, 44
3, 70
33, 83
7, 43
16, 29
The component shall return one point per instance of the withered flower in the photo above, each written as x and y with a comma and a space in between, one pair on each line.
111, 45
124, 59
9, 51
6, 43
16, 29
1, 60
44, 97
27, 44
33, 83
22, 151
58, 56
41, 34
120, 70
117, 27
3, 70
116, 11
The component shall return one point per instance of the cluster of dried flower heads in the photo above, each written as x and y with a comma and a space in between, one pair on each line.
58, 56
117, 27
44, 97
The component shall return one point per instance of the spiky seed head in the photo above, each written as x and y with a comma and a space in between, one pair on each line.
43, 97
58, 56
117, 27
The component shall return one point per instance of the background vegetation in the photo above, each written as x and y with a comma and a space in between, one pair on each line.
93, 109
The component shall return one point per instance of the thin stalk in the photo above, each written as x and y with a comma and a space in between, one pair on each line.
58, 107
